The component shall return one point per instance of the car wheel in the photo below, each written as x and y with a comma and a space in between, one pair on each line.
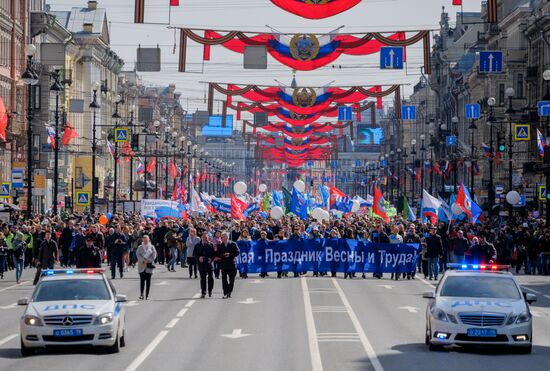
526, 350
123, 339
113, 348
427, 334
25, 351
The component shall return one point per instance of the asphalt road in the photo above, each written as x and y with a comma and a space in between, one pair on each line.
273, 324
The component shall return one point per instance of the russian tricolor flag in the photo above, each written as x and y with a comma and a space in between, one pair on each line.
541, 142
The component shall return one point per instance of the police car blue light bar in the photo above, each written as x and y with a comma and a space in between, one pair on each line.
480, 267
51, 272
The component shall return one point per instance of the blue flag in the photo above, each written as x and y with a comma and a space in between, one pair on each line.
325, 195
221, 207
277, 198
298, 204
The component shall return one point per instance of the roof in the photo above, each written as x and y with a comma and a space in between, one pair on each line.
61, 277
460, 272
75, 19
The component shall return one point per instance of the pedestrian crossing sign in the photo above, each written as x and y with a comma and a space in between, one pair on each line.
83, 198
542, 192
122, 135
522, 132
5, 192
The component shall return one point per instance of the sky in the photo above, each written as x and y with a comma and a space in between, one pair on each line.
256, 16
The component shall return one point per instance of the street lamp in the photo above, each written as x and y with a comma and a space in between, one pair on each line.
423, 160
57, 89
546, 77
472, 129
94, 106
30, 78
491, 102
116, 116
509, 93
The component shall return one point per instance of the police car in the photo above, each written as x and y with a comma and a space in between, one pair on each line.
479, 304
73, 307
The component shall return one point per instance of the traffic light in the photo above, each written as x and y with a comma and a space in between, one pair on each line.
501, 143
135, 142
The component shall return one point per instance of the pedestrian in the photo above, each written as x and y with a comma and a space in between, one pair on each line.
117, 251
47, 256
88, 256
460, 246
227, 252
146, 255
171, 239
434, 250
19, 248
204, 253
3, 255
190, 243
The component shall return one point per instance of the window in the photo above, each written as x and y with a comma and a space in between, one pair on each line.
501, 89
519, 85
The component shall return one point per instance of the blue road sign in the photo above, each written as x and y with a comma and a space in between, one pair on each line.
334, 164
522, 132
5, 190
541, 192
357, 163
391, 57
122, 135
82, 198
490, 62
522, 201
543, 108
345, 113
450, 140
408, 113
473, 111
17, 178
310, 163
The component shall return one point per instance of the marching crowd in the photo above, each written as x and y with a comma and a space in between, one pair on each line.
206, 244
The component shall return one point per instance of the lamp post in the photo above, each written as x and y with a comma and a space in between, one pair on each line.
131, 126
423, 159
94, 106
116, 116
472, 129
431, 147
454, 131
57, 89
490, 121
30, 78
509, 93
413, 180
546, 77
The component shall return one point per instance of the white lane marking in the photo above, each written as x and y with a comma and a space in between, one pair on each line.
249, 301
16, 285
189, 303
389, 287
534, 291
150, 348
427, 283
357, 325
7, 339
329, 309
162, 283
172, 323
181, 313
338, 337
410, 309
316, 364
11, 306
256, 281
131, 303
236, 334
196, 296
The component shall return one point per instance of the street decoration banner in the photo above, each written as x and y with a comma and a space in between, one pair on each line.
326, 255
315, 9
304, 52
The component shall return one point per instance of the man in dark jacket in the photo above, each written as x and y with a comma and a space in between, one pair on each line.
119, 242
460, 246
411, 237
434, 250
88, 256
484, 252
65, 242
204, 254
227, 252
379, 236
47, 255
160, 234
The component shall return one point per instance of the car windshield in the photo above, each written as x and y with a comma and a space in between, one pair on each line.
480, 287
81, 289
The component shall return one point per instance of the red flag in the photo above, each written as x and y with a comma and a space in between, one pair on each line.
377, 207
464, 202
418, 176
68, 134
206, 48
335, 193
173, 170
237, 208
174, 2
457, 2
3, 120
182, 191
151, 166
175, 192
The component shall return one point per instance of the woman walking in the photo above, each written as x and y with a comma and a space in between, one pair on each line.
146, 255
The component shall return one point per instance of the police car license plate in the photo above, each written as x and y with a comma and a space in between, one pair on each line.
68, 332
482, 332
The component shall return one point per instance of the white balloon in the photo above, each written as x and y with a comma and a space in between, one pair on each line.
456, 209
239, 188
318, 214
262, 188
326, 215
513, 198
277, 212
300, 186
355, 206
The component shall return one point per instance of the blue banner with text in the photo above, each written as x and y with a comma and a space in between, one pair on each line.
326, 255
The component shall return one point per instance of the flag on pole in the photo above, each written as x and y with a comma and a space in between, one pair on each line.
430, 206
298, 204
173, 170
151, 165
339, 200
175, 192
444, 213
457, 2
467, 205
378, 208
408, 212
237, 208
140, 168
541, 143
69, 134
287, 196
3, 120
325, 195
51, 136
177, 2
111, 149
196, 203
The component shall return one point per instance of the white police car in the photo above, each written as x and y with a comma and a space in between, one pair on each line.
73, 307
479, 305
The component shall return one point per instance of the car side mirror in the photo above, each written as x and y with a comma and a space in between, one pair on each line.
530, 298
428, 295
23, 301
120, 298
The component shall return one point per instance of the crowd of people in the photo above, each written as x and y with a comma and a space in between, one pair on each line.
205, 245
